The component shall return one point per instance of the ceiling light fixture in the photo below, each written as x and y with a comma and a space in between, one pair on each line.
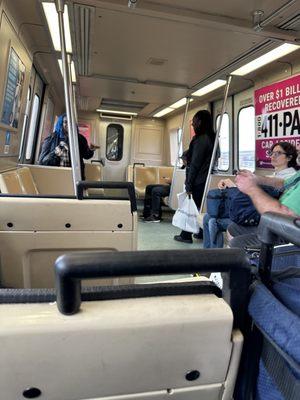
272, 55
209, 88
53, 25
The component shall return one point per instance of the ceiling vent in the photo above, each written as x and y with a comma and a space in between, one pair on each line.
83, 22
104, 115
158, 62
122, 105
291, 24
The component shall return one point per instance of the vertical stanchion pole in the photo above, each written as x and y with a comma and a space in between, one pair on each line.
72, 127
216, 144
178, 151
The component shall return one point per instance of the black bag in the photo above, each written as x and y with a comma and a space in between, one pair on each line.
218, 203
242, 210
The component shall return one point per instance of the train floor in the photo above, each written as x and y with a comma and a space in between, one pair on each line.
159, 235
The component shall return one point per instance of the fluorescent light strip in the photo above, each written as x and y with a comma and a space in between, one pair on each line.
209, 88
272, 55
73, 74
116, 112
171, 108
179, 103
163, 112
52, 20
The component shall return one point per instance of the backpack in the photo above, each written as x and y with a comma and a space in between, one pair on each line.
242, 210
218, 203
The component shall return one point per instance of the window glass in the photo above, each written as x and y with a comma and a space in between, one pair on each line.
114, 142
175, 145
223, 162
32, 126
25, 122
246, 139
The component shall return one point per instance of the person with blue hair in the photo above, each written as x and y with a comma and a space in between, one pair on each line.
56, 152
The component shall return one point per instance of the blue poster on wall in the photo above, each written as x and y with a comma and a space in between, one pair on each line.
13, 90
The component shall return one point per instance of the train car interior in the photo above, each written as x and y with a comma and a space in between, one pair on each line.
97, 302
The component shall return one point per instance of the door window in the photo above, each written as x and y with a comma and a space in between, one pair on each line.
114, 142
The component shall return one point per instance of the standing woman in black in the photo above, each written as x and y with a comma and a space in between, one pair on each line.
199, 156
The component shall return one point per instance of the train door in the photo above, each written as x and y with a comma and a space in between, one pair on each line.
115, 140
244, 126
35, 97
225, 138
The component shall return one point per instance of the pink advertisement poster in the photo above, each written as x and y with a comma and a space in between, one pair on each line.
85, 130
277, 109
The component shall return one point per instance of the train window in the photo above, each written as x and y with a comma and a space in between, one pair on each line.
32, 126
114, 142
246, 138
25, 122
223, 162
175, 144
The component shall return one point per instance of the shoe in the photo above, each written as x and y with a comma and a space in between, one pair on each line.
198, 235
179, 238
152, 218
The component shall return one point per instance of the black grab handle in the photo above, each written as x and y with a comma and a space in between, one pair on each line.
84, 185
70, 269
274, 226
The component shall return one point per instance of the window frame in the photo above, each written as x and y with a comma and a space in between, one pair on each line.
238, 137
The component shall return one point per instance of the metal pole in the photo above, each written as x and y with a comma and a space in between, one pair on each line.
178, 151
72, 128
213, 156
74, 143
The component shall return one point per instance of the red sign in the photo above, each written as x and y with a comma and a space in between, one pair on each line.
85, 130
277, 117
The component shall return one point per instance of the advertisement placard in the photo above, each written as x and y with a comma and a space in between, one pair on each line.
277, 117
13, 90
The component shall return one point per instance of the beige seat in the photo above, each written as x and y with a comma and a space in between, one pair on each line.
18, 181
143, 176
35, 231
129, 349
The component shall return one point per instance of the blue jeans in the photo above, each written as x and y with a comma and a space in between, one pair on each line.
213, 229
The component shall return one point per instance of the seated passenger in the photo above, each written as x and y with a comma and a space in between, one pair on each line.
154, 194
284, 160
55, 149
287, 204
213, 229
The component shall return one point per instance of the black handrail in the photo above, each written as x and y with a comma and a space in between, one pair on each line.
274, 226
84, 185
72, 268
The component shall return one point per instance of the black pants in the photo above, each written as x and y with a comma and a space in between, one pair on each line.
153, 196
197, 193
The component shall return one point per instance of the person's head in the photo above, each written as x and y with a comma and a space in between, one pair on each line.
283, 155
202, 123
61, 126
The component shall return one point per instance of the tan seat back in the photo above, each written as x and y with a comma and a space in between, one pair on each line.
93, 172
129, 349
164, 172
18, 181
144, 176
10, 183
26, 180
35, 231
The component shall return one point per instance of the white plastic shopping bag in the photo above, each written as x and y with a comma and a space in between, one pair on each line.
185, 217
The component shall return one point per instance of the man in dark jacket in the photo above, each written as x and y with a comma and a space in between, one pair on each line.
55, 150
